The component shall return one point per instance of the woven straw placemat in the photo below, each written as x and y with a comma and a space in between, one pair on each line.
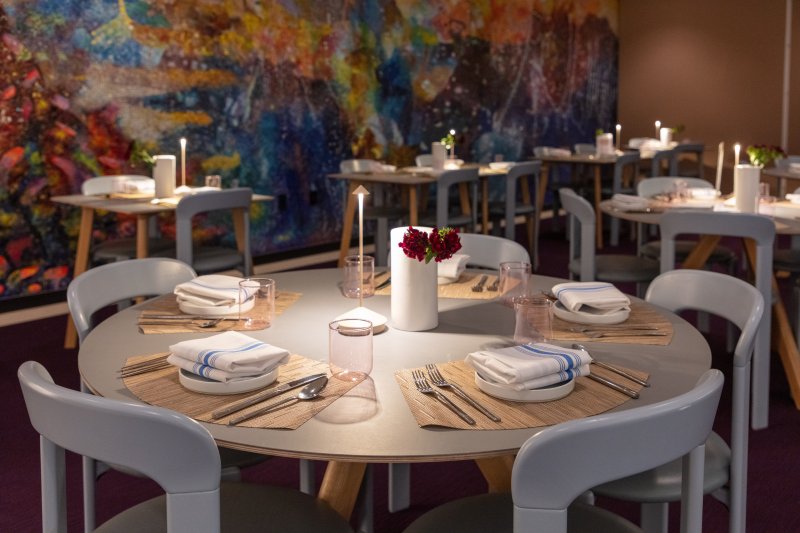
461, 288
586, 399
163, 389
168, 305
641, 314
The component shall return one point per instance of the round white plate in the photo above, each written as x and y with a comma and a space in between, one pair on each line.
196, 383
580, 317
545, 394
217, 310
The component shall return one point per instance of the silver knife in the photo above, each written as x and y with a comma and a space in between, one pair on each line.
261, 396
616, 386
621, 372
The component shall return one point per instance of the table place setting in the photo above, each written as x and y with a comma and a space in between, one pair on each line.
228, 403
212, 303
468, 286
500, 387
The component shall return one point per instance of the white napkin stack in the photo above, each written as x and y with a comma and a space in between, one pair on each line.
227, 357
451, 269
595, 297
214, 290
628, 202
139, 186
530, 366
556, 152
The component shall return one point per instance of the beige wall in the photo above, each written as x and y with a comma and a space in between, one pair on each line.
715, 66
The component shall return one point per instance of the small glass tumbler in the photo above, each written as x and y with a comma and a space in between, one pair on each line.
359, 276
260, 292
534, 319
514, 276
350, 348
214, 181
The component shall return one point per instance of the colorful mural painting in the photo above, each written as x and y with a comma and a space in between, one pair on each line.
273, 95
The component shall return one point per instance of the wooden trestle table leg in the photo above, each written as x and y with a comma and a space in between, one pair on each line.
347, 222
340, 486
81, 264
497, 471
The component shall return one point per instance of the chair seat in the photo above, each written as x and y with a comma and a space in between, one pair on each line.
663, 484
121, 249
244, 508
495, 513
787, 260
720, 254
620, 268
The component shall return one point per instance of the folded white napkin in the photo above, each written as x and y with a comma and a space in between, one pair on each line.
625, 202
227, 356
793, 198
530, 366
138, 186
556, 152
591, 296
450, 270
213, 290
636, 142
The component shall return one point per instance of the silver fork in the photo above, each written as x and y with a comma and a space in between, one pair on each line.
438, 379
478, 287
422, 385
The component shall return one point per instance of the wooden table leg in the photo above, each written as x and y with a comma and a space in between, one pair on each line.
598, 196
543, 177
497, 471
525, 191
463, 196
413, 208
347, 222
340, 486
81, 264
699, 255
782, 334
142, 235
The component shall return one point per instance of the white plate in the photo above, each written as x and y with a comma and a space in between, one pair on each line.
196, 383
581, 317
545, 394
378, 320
217, 310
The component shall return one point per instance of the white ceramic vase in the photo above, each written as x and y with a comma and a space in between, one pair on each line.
414, 300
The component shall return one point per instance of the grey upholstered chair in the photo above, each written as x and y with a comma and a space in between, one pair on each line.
725, 475
168, 447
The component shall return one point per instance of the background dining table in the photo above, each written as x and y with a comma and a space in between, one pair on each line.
376, 424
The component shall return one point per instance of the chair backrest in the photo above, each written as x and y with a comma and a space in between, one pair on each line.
111, 283
560, 462
649, 187
488, 251
761, 231
447, 179
582, 223
424, 160
204, 202
585, 148
627, 160
660, 159
109, 184
359, 165
170, 448
687, 148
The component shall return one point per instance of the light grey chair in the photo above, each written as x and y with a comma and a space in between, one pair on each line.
513, 205
695, 150
725, 475
168, 447
446, 183
659, 163
488, 251
124, 248
761, 231
378, 205
110, 284
555, 466
629, 163
650, 187
583, 260
207, 259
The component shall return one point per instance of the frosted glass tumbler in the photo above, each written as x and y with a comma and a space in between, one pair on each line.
534, 319
514, 277
261, 314
353, 284
350, 348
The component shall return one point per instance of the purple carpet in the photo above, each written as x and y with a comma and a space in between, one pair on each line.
774, 476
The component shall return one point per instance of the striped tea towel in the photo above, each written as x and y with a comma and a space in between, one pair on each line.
595, 297
530, 366
227, 356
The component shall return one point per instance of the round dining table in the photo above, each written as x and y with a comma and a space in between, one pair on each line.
382, 428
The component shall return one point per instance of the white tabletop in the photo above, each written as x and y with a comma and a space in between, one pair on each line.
390, 433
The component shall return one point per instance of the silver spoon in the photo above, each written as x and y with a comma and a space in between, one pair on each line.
309, 392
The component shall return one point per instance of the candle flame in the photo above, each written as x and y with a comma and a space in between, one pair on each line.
183, 142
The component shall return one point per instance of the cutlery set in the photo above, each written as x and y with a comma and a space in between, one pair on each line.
422, 385
143, 367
